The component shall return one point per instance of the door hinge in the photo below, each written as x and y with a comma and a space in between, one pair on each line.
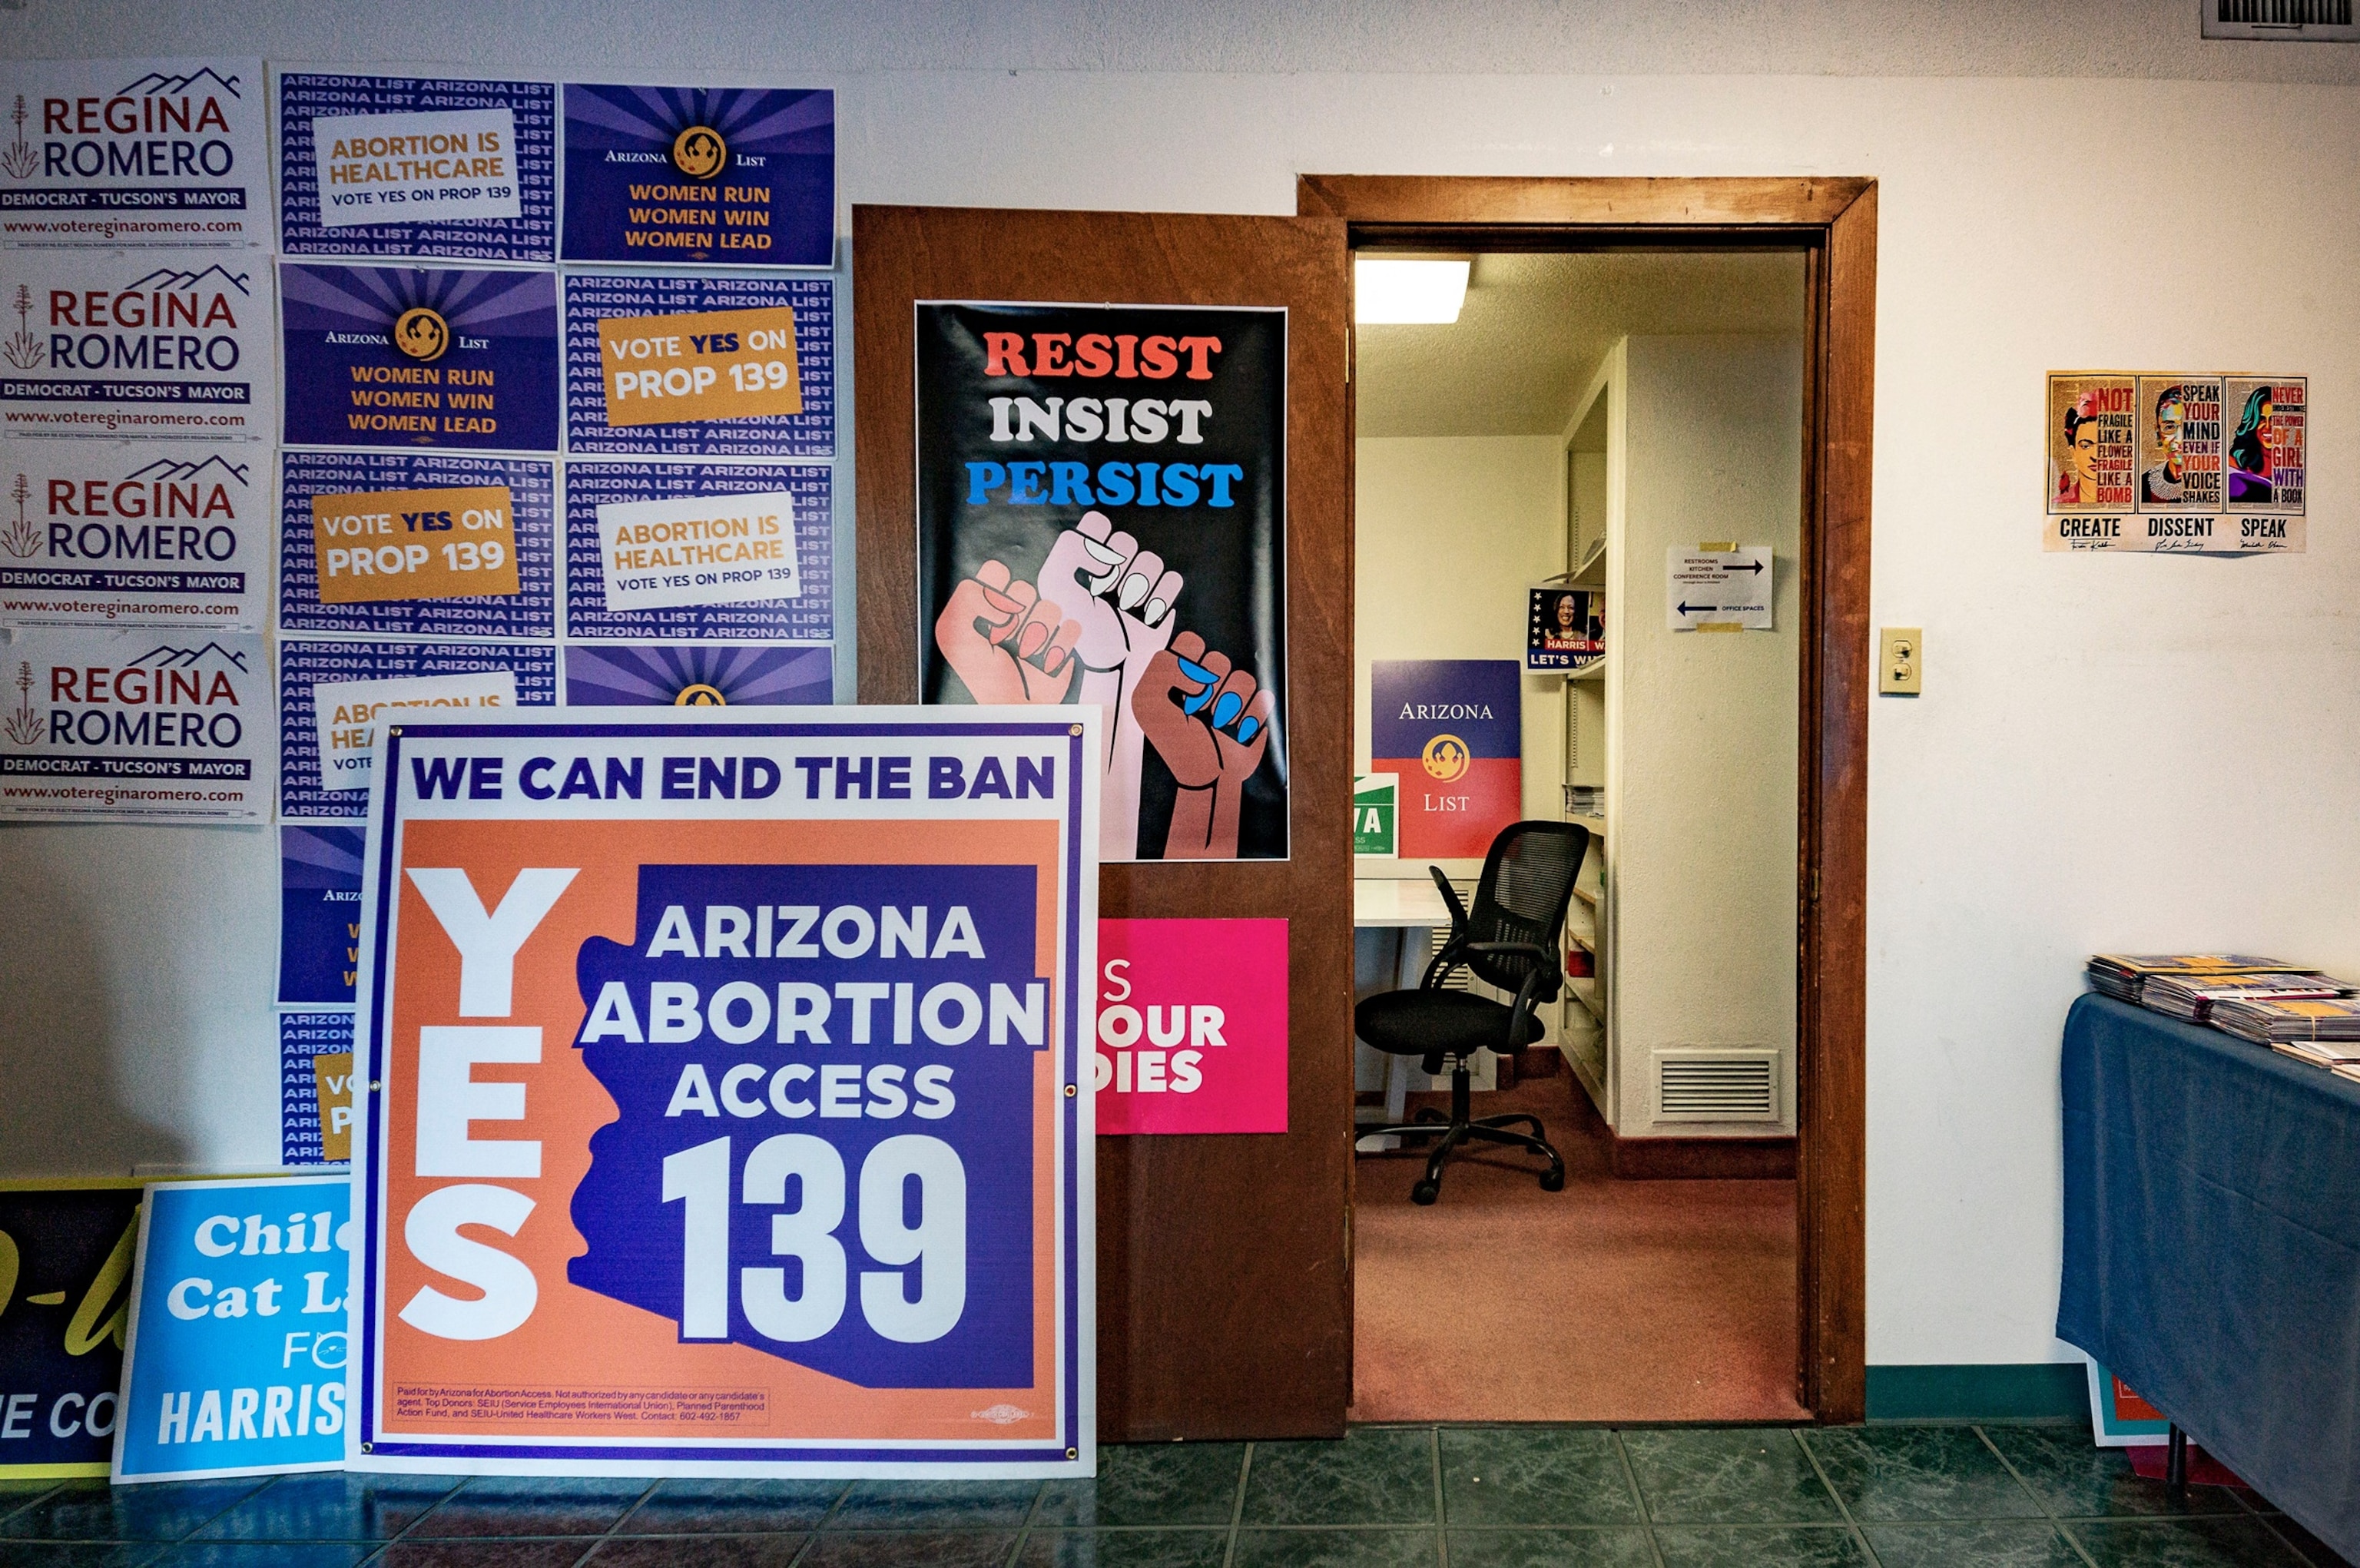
1347, 356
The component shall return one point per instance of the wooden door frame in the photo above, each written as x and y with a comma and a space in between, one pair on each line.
1834, 221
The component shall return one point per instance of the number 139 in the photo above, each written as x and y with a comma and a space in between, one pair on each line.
934, 1249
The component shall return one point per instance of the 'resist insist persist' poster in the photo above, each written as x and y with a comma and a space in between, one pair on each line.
1101, 521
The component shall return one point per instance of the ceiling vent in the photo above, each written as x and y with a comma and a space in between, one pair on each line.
1717, 1086
2281, 21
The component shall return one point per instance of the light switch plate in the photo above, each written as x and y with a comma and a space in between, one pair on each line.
1900, 661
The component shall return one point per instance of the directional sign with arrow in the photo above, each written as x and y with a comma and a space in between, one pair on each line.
1718, 587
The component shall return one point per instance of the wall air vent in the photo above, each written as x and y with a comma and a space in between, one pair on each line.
1717, 1086
2281, 21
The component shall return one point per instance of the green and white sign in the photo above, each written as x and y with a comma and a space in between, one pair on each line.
1374, 798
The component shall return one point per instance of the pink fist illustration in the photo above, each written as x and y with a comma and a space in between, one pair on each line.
1009, 644
1123, 598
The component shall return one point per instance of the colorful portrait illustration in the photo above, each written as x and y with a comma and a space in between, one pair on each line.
2267, 424
2163, 481
2078, 486
2092, 444
2179, 442
2250, 449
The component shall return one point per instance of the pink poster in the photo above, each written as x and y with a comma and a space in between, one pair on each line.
1192, 1026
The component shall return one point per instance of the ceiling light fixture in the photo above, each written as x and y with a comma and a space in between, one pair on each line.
1391, 291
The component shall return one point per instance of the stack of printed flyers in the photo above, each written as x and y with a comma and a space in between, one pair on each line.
2194, 996
2297, 1012
2123, 976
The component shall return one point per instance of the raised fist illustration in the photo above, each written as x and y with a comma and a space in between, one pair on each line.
1123, 599
1211, 724
1121, 594
1005, 642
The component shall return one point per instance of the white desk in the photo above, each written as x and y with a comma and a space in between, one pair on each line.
1411, 906
1410, 903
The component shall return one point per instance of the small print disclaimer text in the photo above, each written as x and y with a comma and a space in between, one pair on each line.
706, 1407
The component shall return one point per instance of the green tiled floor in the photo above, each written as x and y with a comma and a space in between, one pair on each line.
1521, 1497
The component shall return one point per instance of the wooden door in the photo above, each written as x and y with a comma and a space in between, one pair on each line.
1225, 1291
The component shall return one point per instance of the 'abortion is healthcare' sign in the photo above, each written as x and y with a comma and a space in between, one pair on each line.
728, 1104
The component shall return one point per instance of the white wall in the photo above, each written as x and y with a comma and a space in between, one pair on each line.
1448, 533
1700, 798
2142, 752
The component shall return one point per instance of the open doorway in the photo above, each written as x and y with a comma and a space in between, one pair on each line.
1223, 1266
1556, 438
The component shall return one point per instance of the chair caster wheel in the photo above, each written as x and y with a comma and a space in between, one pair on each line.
1425, 1192
1552, 1181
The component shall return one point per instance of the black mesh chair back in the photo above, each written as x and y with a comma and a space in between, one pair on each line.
1526, 885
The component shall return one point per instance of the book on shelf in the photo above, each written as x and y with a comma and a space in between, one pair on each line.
2192, 997
2124, 975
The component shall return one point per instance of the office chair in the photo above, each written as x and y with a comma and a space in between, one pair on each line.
1509, 940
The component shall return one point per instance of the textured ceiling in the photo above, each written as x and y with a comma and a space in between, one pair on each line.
1535, 328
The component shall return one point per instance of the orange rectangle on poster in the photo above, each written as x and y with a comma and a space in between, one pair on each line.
332, 1090
371, 546
710, 366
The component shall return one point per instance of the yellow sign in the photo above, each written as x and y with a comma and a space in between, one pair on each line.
714, 365
415, 544
332, 1082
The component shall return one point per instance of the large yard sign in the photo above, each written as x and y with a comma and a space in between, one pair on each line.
722, 1106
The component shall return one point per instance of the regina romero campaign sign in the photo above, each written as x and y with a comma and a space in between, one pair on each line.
724, 1110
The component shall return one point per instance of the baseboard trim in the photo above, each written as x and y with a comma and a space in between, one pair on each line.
1704, 1160
1995, 1391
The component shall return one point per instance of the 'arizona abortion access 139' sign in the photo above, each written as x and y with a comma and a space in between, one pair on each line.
724, 1113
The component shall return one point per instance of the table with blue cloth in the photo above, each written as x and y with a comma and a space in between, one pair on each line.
2212, 1247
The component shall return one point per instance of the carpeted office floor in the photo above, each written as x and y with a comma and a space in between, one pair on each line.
1609, 1301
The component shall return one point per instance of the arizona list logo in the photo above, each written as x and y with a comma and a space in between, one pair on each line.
700, 152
